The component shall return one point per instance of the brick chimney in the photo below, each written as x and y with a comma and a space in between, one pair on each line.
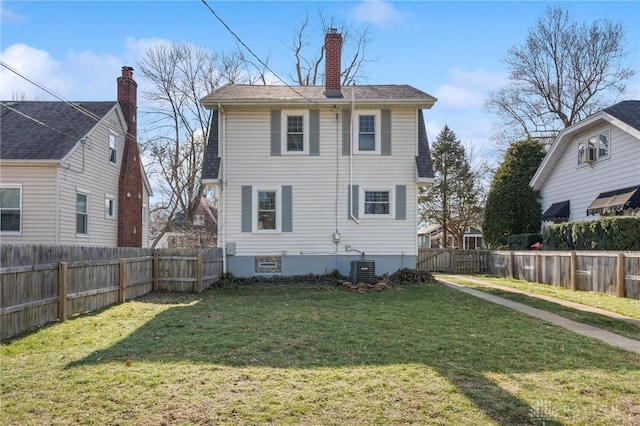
332, 71
130, 183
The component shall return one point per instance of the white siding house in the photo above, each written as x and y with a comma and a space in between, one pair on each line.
60, 173
311, 178
593, 167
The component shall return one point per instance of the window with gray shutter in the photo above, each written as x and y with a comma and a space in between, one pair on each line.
247, 206
385, 122
401, 202
314, 132
287, 209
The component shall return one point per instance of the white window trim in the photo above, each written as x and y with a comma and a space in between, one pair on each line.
254, 209
116, 138
378, 130
585, 140
305, 131
14, 186
109, 197
88, 194
392, 202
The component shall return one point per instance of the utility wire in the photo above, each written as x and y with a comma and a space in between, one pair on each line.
254, 55
36, 120
75, 106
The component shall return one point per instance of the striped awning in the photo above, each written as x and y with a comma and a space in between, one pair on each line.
616, 201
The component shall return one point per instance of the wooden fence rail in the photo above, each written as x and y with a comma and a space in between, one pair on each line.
41, 284
612, 273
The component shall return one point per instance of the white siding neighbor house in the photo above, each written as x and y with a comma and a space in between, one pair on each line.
593, 167
311, 178
69, 173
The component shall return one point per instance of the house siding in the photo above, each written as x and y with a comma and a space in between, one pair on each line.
94, 173
39, 200
582, 184
314, 181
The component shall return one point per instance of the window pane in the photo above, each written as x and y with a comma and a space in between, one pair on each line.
603, 145
266, 220
113, 148
295, 142
81, 223
294, 124
367, 143
266, 201
10, 220
581, 152
367, 124
10, 198
81, 203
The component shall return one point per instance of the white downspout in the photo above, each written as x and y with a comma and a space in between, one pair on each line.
351, 142
223, 184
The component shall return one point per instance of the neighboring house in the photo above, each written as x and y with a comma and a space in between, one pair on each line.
430, 236
309, 177
203, 232
70, 172
593, 167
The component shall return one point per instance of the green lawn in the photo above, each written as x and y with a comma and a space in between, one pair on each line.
283, 355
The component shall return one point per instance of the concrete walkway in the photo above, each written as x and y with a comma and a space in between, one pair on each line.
612, 339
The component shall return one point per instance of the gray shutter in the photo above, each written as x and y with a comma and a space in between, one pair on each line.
314, 132
346, 131
353, 201
247, 207
276, 138
385, 137
287, 209
401, 202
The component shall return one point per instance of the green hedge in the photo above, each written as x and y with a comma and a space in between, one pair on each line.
610, 233
523, 241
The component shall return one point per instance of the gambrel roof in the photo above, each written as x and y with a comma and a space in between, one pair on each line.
46, 130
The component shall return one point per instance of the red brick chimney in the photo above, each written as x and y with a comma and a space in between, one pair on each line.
130, 184
332, 71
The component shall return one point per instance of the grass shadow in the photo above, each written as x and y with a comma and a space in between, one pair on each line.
464, 339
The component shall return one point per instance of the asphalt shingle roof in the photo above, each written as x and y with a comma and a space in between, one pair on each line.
251, 93
211, 163
627, 111
58, 128
423, 160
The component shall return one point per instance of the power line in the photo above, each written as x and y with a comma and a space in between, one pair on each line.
36, 120
254, 55
77, 107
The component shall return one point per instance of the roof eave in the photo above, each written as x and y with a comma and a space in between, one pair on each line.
212, 103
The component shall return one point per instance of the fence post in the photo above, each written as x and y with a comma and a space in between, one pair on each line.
454, 261
122, 294
63, 275
156, 271
199, 273
512, 265
537, 267
620, 275
574, 271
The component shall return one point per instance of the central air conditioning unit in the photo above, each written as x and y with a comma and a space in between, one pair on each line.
363, 271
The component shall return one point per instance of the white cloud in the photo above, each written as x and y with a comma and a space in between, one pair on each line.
378, 12
8, 16
35, 64
467, 89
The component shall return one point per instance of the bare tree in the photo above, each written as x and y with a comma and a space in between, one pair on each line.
562, 73
180, 75
307, 46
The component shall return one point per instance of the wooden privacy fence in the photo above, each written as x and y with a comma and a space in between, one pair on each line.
452, 260
41, 284
612, 273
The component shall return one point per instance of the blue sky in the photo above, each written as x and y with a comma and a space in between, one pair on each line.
452, 50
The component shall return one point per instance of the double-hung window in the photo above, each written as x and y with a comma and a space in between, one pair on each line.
82, 213
267, 210
368, 137
10, 208
594, 148
113, 148
377, 203
295, 137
